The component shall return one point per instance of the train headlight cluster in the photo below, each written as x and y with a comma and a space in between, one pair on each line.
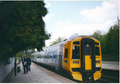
97, 65
75, 62
97, 61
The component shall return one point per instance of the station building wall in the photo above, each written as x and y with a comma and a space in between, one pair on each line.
6, 69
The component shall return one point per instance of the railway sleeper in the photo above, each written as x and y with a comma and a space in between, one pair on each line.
108, 80
102, 80
116, 79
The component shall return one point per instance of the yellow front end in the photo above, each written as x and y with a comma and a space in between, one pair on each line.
75, 67
69, 64
78, 58
66, 57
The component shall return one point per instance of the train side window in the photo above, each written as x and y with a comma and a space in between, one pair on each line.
66, 53
76, 42
97, 52
55, 54
76, 52
96, 43
61, 49
51, 54
48, 54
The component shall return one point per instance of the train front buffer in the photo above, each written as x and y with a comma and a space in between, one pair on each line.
82, 58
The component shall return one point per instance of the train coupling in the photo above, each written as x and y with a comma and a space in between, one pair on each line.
88, 76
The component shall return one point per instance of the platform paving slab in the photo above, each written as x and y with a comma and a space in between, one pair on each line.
34, 76
111, 65
38, 74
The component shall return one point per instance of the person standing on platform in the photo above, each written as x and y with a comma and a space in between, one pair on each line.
25, 64
28, 62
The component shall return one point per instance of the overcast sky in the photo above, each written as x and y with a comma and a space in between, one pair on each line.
65, 18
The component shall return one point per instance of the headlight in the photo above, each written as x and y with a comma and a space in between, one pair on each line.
75, 62
97, 61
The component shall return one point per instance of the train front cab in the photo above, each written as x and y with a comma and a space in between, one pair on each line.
82, 59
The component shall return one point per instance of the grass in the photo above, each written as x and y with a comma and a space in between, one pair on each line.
110, 58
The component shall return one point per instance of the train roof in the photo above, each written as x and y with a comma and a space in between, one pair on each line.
85, 36
34, 53
70, 39
55, 45
77, 36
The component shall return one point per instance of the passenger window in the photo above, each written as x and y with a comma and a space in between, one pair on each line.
96, 43
76, 42
40, 56
51, 54
97, 51
61, 50
55, 54
76, 52
87, 49
66, 53
47, 56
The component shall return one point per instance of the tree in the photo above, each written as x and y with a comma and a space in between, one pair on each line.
29, 52
101, 37
103, 43
21, 27
97, 34
57, 41
112, 40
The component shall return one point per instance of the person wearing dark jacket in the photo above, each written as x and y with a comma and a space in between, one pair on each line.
25, 64
28, 62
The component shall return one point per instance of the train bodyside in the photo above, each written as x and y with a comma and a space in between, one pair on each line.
51, 56
40, 57
34, 56
82, 58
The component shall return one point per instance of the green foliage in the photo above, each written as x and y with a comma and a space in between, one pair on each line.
112, 40
103, 43
109, 41
56, 41
29, 52
21, 27
101, 37
97, 35
110, 57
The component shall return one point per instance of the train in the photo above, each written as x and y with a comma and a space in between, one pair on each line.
80, 57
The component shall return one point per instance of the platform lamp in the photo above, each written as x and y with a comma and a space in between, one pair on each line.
21, 56
15, 65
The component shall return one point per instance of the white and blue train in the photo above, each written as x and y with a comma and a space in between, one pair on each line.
81, 57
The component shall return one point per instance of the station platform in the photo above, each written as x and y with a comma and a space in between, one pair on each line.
38, 74
111, 65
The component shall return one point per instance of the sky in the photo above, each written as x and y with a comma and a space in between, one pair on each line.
66, 18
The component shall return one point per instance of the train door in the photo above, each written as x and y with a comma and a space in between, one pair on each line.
88, 59
87, 55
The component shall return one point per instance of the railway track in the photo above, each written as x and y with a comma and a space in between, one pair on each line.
109, 79
108, 76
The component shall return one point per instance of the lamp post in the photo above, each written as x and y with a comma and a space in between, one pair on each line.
15, 65
22, 57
